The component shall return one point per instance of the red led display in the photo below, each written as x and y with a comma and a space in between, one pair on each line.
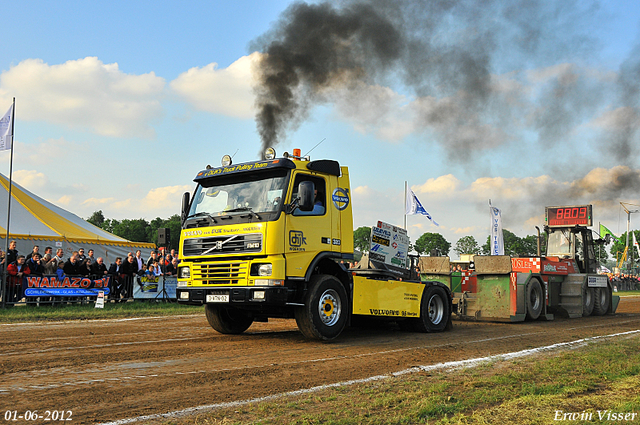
569, 216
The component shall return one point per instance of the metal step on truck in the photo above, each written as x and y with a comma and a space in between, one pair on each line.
562, 282
270, 238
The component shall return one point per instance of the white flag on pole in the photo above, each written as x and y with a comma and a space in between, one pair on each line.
5, 130
635, 243
414, 206
497, 238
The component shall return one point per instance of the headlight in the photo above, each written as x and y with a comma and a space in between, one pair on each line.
181, 284
269, 153
184, 272
184, 295
265, 270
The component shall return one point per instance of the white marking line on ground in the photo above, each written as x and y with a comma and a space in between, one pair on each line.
439, 366
323, 359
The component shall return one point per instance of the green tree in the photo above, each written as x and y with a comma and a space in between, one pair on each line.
514, 246
467, 245
133, 230
139, 230
173, 223
618, 246
97, 219
361, 238
529, 246
432, 241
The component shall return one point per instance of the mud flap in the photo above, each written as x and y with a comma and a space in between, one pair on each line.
615, 300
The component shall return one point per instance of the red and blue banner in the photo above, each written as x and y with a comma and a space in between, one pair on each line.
70, 286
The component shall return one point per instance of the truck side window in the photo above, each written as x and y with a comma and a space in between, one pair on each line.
320, 201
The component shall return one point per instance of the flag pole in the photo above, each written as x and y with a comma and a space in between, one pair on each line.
6, 240
405, 205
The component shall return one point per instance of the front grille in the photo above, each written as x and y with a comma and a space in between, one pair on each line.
229, 244
220, 273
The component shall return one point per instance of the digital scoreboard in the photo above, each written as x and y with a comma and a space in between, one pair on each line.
568, 216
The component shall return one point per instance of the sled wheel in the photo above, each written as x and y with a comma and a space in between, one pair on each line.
227, 320
324, 314
535, 299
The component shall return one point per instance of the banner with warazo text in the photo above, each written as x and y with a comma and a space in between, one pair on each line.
70, 286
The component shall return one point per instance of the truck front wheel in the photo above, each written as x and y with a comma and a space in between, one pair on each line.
435, 310
227, 320
324, 314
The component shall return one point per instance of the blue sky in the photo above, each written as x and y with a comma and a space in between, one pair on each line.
119, 104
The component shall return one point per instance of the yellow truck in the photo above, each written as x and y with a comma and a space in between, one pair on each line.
274, 238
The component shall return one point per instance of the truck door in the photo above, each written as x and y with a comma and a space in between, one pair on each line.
307, 232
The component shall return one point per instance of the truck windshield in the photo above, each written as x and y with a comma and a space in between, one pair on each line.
244, 193
559, 243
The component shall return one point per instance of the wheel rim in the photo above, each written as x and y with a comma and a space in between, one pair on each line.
535, 299
329, 307
436, 309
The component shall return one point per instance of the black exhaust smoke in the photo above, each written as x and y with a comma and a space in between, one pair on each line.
313, 47
465, 65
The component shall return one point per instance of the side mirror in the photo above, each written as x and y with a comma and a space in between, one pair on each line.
306, 193
186, 197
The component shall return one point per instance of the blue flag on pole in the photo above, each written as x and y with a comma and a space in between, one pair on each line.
414, 206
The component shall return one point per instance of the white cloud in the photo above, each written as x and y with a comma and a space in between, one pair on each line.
440, 185
163, 198
85, 94
32, 179
158, 202
227, 91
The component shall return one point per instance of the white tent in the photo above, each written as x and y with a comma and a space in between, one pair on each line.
35, 221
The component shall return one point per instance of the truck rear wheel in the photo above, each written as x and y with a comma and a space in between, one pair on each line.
324, 314
588, 301
227, 320
435, 310
535, 299
602, 301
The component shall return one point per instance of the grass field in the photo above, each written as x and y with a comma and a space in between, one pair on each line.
627, 293
588, 384
22, 313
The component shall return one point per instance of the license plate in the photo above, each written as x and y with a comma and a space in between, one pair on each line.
218, 298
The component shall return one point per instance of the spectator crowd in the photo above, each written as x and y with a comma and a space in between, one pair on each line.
124, 271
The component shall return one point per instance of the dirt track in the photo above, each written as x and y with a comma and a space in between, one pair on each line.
108, 370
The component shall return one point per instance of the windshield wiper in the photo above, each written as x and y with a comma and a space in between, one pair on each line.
203, 213
245, 209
